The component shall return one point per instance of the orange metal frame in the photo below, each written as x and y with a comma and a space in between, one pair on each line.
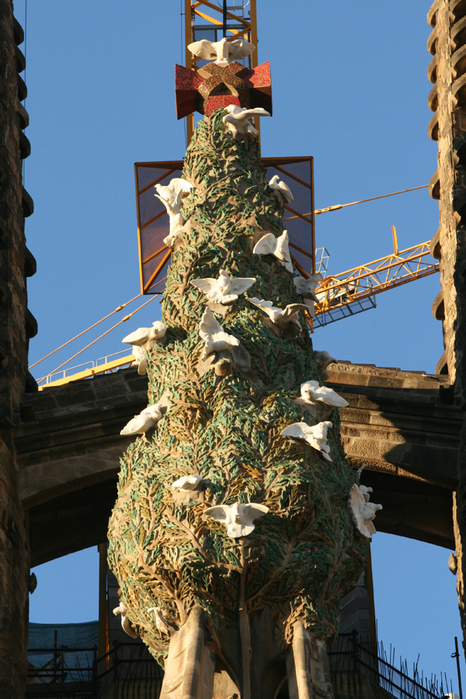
172, 166
249, 32
385, 273
163, 253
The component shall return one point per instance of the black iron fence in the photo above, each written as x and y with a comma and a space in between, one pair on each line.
128, 671
62, 672
351, 659
131, 667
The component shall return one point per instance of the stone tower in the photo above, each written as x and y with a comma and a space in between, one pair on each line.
16, 326
447, 99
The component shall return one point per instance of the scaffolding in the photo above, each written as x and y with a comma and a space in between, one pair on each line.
234, 19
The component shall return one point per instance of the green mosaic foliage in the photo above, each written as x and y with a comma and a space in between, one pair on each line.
305, 553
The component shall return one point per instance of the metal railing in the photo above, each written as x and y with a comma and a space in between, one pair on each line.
129, 666
86, 370
62, 678
133, 669
356, 660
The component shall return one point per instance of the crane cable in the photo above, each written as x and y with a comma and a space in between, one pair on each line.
337, 207
119, 308
127, 317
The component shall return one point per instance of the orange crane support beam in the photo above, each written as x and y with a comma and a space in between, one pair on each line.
374, 277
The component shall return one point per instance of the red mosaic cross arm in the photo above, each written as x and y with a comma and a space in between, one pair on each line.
260, 86
257, 86
187, 83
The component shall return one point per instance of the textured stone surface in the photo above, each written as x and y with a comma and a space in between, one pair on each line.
16, 326
71, 445
449, 127
398, 419
447, 71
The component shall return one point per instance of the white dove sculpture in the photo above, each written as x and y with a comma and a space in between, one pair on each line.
160, 621
270, 245
125, 622
307, 287
366, 491
173, 191
225, 289
238, 518
215, 338
363, 510
310, 305
144, 421
313, 393
176, 224
171, 195
190, 482
140, 359
222, 51
282, 189
323, 359
280, 316
142, 335
315, 436
238, 120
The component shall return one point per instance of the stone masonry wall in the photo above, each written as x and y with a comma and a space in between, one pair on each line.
447, 71
16, 325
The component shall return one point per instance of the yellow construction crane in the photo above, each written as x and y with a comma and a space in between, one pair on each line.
338, 296
344, 294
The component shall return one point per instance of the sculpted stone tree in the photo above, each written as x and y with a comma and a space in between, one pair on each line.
232, 537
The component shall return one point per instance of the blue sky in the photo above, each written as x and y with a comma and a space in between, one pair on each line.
350, 88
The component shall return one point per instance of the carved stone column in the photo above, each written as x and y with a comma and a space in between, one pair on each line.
447, 71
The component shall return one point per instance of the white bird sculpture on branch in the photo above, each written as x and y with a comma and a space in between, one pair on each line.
313, 393
225, 289
173, 192
140, 359
307, 287
125, 622
363, 511
222, 51
190, 482
171, 196
160, 621
238, 120
142, 335
270, 245
315, 436
214, 336
282, 317
238, 518
282, 189
144, 421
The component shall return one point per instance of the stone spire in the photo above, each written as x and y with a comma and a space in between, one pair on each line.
233, 539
